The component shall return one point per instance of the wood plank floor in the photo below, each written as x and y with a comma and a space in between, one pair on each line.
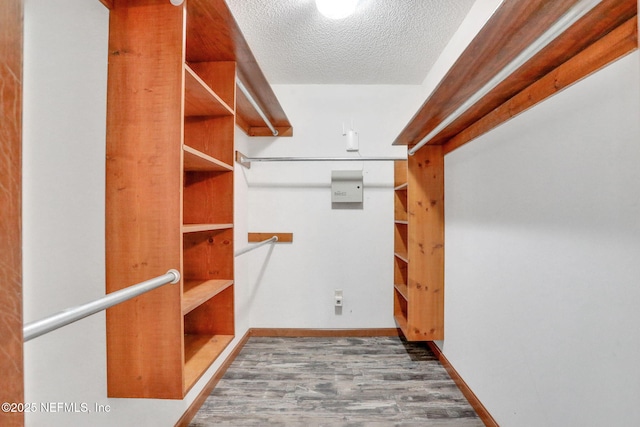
378, 381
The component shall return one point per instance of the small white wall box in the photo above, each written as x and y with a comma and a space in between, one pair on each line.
346, 186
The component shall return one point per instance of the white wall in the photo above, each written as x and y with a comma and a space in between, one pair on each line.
65, 76
542, 250
347, 249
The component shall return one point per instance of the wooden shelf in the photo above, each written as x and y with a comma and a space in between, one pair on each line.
513, 27
199, 352
175, 120
214, 35
197, 292
402, 289
200, 100
196, 161
417, 307
198, 228
401, 257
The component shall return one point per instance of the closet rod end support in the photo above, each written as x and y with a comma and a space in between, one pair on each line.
241, 159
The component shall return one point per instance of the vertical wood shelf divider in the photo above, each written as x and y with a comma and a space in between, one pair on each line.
171, 118
419, 245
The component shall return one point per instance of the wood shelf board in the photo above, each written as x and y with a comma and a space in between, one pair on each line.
196, 161
199, 353
144, 122
197, 228
402, 257
614, 45
197, 292
253, 124
200, 99
425, 279
512, 28
214, 35
259, 237
401, 187
402, 289
401, 222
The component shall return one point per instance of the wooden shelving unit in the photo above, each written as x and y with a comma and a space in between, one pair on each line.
171, 119
419, 246
601, 36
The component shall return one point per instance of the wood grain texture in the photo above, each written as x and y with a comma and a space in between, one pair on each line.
143, 209
259, 237
11, 343
206, 391
195, 292
208, 255
425, 304
614, 45
212, 136
201, 100
213, 35
513, 26
196, 161
208, 197
475, 403
220, 77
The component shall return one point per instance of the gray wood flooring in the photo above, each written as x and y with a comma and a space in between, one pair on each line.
379, 381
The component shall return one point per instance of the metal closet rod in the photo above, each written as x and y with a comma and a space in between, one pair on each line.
43, 326
255, 105
562, 24
256, 246
245, 159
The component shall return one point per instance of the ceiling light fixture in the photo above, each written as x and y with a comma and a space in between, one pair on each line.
336, 9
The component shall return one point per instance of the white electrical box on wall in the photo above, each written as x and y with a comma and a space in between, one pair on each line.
346, 186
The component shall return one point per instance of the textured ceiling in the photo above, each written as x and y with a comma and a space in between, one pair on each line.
384, 42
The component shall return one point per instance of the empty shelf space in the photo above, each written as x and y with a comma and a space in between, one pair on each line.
196, 292
197, 228
401, 320
403, 290
199, 352
402, 257
200, 100
197, 161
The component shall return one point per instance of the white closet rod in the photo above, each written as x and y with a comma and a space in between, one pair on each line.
43, 326
562, 24
256, 246
253, 102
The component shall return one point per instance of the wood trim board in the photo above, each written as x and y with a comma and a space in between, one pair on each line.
259, 237
11, 316
323, 333
475, 403
513, 26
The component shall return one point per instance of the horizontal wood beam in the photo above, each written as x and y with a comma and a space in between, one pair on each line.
616, 44
512, 28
